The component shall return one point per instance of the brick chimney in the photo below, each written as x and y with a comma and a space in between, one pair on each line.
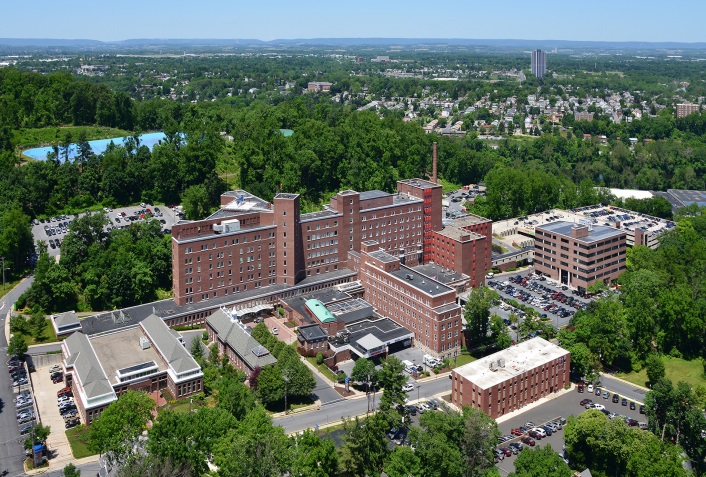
433, 165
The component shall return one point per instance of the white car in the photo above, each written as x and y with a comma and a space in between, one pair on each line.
590, 388
408, 387
56, 369
600, 407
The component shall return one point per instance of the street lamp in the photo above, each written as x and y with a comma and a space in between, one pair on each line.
418, 386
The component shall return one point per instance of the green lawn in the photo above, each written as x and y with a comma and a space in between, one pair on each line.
323, 369
448, 186
675, 369
78, 440
48, 336
464, 358
49, 136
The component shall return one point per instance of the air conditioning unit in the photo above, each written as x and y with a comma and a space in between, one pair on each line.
144, 343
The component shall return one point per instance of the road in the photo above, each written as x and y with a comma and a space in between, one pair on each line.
333, 412
623, 388
11, 448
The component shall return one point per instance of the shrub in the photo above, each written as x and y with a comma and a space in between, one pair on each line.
319, 358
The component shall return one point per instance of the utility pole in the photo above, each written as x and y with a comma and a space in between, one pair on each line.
3, 273
286, 382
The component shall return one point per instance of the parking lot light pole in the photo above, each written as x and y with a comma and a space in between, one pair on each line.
418, 386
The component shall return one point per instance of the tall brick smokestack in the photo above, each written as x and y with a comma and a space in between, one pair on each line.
433, 166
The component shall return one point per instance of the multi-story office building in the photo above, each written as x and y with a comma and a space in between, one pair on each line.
539, 63
685, 109
579, 254
251, 243
421, 304
148, 357
512, 378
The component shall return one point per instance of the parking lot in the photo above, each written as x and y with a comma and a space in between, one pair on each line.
45, 394
548, 298
562, 406
54, 230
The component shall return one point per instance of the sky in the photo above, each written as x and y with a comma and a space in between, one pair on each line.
587, 20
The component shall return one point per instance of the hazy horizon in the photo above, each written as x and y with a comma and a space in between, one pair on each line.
600, 20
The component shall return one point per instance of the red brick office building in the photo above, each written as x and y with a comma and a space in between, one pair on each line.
512, 378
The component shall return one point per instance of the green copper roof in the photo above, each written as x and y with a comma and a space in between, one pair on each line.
320, 311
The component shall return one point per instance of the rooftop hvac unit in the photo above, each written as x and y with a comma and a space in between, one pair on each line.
217, 229
501, 362
144, 343
493, 366
230, 226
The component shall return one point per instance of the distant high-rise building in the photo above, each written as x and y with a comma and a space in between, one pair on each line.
539, 63
685, 109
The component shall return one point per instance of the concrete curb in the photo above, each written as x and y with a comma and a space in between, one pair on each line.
534, 404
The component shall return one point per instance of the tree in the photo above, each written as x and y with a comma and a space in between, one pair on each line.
114, 432
196, 202
499, 333
234, 397
364, 370
403, 462
655, 368
392, 378
541, 462
365, 449
477, 313
37, 323
70, 470
187, 440
16, 242
314, 456
196, 349
17, 346
254, 448
270, 385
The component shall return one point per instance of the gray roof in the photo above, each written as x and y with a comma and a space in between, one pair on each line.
239, 340
598, 232
312, 332
178, 358
439, 273
373, 194
421, 282
384, 329
87, 367
66, 319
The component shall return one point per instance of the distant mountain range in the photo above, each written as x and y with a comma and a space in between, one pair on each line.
342, 42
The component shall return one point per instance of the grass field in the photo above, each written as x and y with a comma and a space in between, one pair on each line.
49, 136
78, 440
464, 358
9, 285
675, 369
48, 336
448, 186
323, 369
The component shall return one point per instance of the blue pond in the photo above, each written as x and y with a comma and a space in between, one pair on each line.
99, 146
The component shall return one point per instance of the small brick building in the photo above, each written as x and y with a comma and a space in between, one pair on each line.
512, 378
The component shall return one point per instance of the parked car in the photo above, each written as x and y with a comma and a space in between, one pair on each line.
632, 405
408, 387
528, 440
616, 398
72, 423
585, 401
56, 369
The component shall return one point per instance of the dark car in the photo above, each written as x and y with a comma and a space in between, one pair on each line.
72, 423
632, 405
642, 409
528, 440
624, 402
616, 398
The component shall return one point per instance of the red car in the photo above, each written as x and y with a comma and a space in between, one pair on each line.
507, 451
63, 391
528, 440
516, 432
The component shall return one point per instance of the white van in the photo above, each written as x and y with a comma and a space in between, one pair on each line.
431, 361
409, 366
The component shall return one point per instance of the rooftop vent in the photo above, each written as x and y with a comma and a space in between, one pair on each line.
144, 343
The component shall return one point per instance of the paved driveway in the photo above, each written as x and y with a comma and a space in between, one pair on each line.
283, 332
45, 396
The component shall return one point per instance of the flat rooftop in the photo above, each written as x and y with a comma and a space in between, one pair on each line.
688, 197
122, 350
439, 274
596, 234
373, 194
518, 359
166, 309
421, 183
421, 282
469, 219
455, 233
383, 329
383, 256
